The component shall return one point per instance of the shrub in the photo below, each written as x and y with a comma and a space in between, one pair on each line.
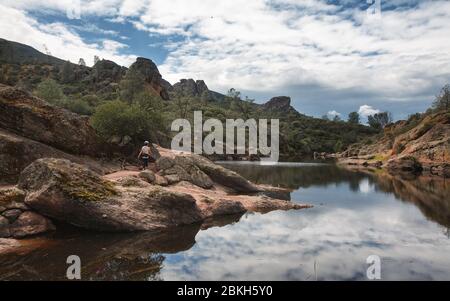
50, 91
79, 106
117, 118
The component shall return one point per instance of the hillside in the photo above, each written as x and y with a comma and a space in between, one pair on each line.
25, 67
84, 89
420, 143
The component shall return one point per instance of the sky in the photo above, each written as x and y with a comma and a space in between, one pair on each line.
330, 57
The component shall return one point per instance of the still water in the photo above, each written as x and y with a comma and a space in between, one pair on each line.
404, 221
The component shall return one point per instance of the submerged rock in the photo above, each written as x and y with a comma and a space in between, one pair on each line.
404, 164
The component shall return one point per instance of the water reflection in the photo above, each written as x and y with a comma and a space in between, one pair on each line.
403, 220
104, 256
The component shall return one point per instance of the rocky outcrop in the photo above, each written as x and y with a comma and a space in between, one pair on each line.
419, 144
69, 192
26, 67
404, 164
151, 76
195, 89
135, 201
108, 71
279, 103
16, 219
17, 152
190, 88
202, 172
35, 119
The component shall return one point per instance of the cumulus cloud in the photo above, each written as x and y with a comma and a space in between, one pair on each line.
333, 114
60, 40
367, 111
272, 46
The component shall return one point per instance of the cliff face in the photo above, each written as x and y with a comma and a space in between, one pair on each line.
422, 143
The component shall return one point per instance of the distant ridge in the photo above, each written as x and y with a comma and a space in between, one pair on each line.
16, 53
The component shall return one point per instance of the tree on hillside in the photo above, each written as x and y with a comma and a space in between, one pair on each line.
234, 94
96, 59
50, 91
380, 120
338, 146
353, 118
152, 105
67, 74
183, 104
336, 118
81, 62
442, 101
243, 106
205, 97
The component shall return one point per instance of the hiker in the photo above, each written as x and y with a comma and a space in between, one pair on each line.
146, 155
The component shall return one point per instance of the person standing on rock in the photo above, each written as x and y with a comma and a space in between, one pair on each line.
145, 154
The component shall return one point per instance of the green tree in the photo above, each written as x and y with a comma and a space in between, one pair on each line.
152, 105
442, 101
380, 120
353, 118
67, 72
234, 94
338, 146
243, 106
50, 91
116, 118
205, 97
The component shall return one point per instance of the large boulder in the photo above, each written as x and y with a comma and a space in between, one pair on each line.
201, 172
223, 176
35, 119
17, 152
71, 193
183, 168
16, 219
